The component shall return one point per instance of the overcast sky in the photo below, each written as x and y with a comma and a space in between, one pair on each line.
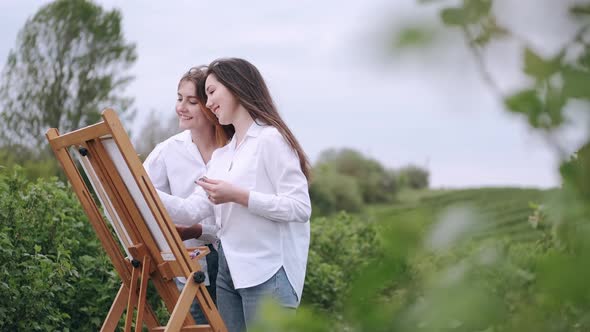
329, 70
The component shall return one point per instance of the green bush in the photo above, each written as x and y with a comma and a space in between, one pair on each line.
331, 192
54, 274
32, 167
374, 181
413, 177
341, 247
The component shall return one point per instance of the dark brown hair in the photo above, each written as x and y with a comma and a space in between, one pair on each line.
197, 76
245, 82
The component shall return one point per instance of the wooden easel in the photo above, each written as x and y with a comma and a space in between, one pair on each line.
152, 249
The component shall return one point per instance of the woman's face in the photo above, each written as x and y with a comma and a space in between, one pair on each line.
220, 100
188, 110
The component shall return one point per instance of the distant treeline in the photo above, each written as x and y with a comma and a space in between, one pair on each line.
346, 180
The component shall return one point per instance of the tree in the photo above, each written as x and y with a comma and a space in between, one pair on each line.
68, 64
374, 183
332, 191
413, 177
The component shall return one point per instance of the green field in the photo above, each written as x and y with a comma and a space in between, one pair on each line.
433, 260
505, 211
472, 260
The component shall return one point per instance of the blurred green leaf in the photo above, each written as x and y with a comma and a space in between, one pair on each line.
488, 31
564, 279
576, 171
471, 12
580, 10
454, 16
477, 8
415, 36
555, 102
536, 66
528, 103
576, 83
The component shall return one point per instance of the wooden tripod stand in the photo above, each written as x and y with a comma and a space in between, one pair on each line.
147, 246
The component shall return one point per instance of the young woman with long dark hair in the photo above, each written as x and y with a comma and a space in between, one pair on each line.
257, 187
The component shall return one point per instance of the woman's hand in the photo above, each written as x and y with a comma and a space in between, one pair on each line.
220, 192
189, 232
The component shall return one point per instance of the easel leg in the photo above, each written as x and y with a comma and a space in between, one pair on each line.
150, 317
209, 309
183, 305
145, 270
170, 294
132, 300
117, 308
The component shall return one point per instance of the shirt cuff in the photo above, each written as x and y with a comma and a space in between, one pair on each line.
256, 203
209, 230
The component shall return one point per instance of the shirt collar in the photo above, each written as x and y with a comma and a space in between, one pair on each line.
184, 136
185, 139
255, 129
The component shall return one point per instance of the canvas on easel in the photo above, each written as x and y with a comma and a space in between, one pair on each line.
151, 247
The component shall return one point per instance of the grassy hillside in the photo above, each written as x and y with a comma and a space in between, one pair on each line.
469, 258
485, 198
506, 211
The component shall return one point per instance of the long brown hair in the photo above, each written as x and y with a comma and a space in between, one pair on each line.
197, 76
245, 82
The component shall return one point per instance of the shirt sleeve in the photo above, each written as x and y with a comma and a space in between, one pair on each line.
290, 201
155, 167
210, 230
187, 211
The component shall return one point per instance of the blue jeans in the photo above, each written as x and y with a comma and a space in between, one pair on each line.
238, 307
212, 262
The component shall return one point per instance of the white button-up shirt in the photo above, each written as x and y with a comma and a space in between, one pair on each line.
273, 231
173, 166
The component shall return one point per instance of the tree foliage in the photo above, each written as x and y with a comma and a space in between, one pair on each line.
331, 191
413, 177
372, 178
69, 63
346, 180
